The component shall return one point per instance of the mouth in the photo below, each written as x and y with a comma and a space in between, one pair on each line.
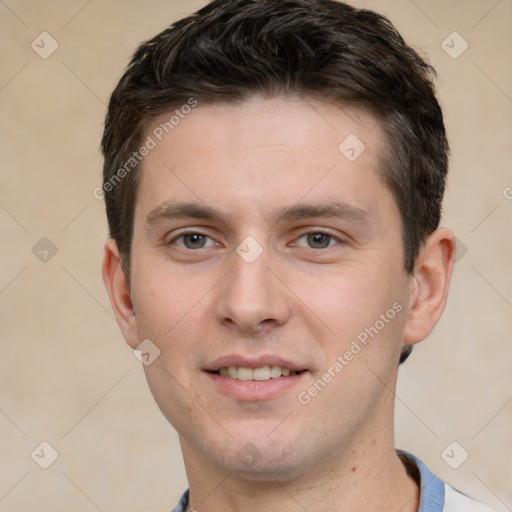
261, 373
255, 378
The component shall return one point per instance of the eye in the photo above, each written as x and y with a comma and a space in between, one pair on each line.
317, 240
193, 241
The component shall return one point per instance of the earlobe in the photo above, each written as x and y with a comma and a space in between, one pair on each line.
119, 292
429, 285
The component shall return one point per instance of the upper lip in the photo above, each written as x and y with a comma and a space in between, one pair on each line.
253, 362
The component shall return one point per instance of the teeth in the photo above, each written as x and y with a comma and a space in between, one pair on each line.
244, 373
261, 373
275, 372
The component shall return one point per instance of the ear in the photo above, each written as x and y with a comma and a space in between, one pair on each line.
430, 285
119, 293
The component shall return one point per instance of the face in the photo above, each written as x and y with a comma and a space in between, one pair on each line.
267, 267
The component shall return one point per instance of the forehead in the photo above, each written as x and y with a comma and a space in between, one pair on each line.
261, 150
247, 124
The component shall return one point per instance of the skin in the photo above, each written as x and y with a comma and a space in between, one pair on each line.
250, 162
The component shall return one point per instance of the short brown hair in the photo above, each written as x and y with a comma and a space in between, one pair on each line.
232, 49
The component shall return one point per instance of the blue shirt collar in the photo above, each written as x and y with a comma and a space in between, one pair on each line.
183, 504
432, 488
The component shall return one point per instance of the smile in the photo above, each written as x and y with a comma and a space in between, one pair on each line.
262, 373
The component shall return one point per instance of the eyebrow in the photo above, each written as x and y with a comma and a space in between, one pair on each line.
181, 210
330, 210
184, 210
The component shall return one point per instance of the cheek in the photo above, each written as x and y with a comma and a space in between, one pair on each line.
360, 316
348, 302
164, 300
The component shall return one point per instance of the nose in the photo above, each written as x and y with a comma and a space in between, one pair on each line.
253, 297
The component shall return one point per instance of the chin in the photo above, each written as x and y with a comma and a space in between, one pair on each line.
266, 470
261, 459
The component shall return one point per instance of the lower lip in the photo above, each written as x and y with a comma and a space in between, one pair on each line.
253, 390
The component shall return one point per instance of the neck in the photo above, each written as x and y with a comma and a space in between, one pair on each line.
361, 472
373, 480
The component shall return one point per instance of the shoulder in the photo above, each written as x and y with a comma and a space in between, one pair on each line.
436, 495
455, 501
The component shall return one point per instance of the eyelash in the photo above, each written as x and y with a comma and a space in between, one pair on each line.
324, 233
302, 235
188, 233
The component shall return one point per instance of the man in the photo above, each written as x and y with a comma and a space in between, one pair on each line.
273, 178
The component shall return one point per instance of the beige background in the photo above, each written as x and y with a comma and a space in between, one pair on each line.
67, 376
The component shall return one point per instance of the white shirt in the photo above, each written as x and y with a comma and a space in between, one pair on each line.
454, 501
